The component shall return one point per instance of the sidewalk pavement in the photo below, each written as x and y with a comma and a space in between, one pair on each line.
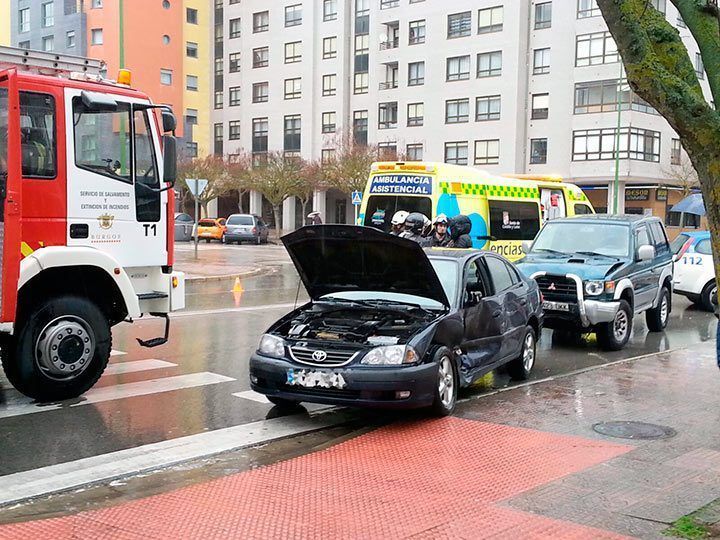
522, 462
218, 262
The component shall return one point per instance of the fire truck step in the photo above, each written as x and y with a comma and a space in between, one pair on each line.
151, 295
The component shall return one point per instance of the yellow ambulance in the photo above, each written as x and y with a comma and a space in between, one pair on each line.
504, 210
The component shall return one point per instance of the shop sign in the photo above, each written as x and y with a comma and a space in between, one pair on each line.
637, 194
661, 194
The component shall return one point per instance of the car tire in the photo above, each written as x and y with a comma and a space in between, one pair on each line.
520, 368
207, 240
282, 402
706, 297
446, 389
694, 298
657, 317
222, 239
614, 335
22, 354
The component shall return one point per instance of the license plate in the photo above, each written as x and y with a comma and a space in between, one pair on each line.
315, 378
556, 306
206, 234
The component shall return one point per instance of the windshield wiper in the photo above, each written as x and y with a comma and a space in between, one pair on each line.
595, 254
554, 251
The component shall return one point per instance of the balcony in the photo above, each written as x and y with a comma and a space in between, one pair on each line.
388, 85
390, 44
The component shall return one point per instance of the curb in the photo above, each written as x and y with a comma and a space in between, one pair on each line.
250, 273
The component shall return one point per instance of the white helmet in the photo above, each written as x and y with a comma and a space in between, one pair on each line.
399, 217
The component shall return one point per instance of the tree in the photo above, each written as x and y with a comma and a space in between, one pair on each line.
684, 175
210, 168
311, 179
660, 71
238, 168
348, 169
277, 178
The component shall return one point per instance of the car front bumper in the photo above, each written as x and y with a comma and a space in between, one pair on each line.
366, 386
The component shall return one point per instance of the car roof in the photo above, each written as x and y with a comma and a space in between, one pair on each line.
461, 255
609, 218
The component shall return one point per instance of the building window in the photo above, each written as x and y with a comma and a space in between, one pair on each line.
360, 127
386, 4
329, 47
24, 45
387, 115
235, 28
457, 111
538, 151
387, 151
218, 139
659, 5
70, 39
416, 73
329, 85
459, 24
415, 114
260, 135
219, 99
414, 152
329, 122
48, 43
292, 133
540, 106
191, 16
599, 144
456, 153
587, 8
96, 36
261, 21
543, 15
699, 67
24, 20
596, 48
234, 59
416, 32
48, 16
191, 117
191, 83
490, 20
327, 155
487, 108
293, 15
487, 152
261, 91
234, 95
234, 130
458, 68
191, 149
489, 64
602, 96
293, 88
191, 49
541, 61
293, 52
166, 77
675, 150
361, 83
97, 4
329, 10
261, 57
219, 68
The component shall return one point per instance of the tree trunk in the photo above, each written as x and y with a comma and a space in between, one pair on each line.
204, 209
709, 176
276, 215
304, 209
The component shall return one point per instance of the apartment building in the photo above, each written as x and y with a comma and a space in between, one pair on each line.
5, 38
507, 86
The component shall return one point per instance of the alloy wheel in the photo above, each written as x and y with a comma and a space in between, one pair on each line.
446, 382
620, 325
529, 352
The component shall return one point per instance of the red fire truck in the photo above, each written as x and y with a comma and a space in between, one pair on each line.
87, 167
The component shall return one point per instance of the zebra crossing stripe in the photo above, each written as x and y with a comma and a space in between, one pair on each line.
121, 368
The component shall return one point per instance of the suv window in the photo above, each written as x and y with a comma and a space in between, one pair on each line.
660, 238
499, 274
704, 247
642, 238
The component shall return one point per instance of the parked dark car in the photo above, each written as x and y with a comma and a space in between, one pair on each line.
392, 325
183, 227
246, 228
596, 272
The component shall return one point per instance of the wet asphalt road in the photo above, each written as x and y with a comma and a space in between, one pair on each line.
206, 363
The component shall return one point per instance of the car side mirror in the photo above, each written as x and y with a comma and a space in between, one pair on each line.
525, 246
169, 159
645, 253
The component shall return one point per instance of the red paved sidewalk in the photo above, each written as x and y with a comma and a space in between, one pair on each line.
431, 479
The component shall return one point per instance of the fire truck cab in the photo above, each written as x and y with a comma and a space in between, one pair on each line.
86, 204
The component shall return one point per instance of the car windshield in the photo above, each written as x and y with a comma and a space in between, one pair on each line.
583, 237
399, 298
677, 244
447, 272
240, 220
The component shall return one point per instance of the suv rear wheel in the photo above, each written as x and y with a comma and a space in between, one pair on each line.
708, 297
657, 317
614, 335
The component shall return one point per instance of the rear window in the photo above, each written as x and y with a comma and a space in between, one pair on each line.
512, 220
704, 247
678, 243
207, 223
381, 208
240, 220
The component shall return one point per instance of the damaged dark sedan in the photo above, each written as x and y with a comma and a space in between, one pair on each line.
392, 325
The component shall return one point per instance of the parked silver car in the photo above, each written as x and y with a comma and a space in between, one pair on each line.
183, 227
245, 228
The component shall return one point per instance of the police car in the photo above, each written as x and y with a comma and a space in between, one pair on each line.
694, 270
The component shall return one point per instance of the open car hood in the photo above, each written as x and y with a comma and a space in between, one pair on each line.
342, 258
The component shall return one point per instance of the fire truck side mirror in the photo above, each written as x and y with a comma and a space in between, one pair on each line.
97, 102
169, 159
168, 121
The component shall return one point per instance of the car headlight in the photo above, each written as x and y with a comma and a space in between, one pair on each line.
594, 288
391, 355
272, 346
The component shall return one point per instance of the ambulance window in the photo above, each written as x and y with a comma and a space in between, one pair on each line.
553, 204
582, 209
102, 140
37, 133
147, 201
381, 208
513, 220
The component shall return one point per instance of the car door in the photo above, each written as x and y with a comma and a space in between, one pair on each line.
644, 282
511, 293
483, 319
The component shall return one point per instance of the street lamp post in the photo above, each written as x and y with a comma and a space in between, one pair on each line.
616, 184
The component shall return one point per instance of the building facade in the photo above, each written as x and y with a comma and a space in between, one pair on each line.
509, 87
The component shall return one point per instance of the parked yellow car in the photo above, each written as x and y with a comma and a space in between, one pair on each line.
211, 229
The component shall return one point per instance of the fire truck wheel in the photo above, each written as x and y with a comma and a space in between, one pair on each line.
60, 350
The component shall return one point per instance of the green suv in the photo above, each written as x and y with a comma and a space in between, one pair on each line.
596, 272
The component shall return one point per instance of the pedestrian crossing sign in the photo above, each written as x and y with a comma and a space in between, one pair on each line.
357, 198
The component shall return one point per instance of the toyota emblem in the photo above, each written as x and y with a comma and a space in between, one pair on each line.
319, 356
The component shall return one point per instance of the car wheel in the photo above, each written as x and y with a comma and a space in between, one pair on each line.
520, 368
446, 390
207, 240
708, 297
59, 351
657, 318
282, 402
614, 335
694, 298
